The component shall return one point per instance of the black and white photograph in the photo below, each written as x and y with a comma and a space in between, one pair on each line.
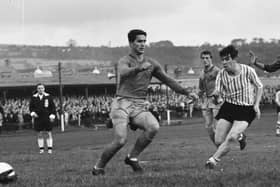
116, 93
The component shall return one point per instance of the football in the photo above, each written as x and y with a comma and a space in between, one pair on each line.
7, 173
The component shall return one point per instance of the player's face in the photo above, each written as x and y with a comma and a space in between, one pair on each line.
139, 44
206, 60
41, 89
227, 62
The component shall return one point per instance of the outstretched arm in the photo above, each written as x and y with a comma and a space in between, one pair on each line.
169, 81
267, 67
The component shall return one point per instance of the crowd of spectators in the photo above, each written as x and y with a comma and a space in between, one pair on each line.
79, 110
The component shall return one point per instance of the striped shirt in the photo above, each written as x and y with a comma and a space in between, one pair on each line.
238, 89
277, 98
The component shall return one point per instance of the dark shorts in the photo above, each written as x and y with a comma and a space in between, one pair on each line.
43, 125
232, 112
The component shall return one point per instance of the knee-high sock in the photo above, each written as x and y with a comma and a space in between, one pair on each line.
108, 153
50, 141
211, 134
141, 143
278, 124
40, 142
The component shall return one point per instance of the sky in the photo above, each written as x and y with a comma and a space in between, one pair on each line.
107, 22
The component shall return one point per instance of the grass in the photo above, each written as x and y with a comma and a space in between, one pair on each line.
175, 158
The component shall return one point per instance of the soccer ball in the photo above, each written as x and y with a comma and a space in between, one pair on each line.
7, 173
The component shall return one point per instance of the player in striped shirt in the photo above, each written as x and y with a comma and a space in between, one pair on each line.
241, 90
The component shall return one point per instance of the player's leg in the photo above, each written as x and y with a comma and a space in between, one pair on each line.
39, 128
238, 128
278, 122
150, 126
208, 118
40, 141
215, 112
191, 110
222, 129
120, 121
49, 142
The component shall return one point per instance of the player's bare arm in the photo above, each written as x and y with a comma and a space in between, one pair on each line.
126, 71
254, 60
169, 81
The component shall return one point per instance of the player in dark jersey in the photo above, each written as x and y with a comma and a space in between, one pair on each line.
134, 75
210, 104
269, 68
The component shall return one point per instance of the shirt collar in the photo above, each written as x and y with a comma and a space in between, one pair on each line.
209, 69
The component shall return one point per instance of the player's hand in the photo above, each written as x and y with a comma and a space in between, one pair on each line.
257, 110
193, 95
52, 117
253, 58
145, 66
187, 91
34, 114
218, 99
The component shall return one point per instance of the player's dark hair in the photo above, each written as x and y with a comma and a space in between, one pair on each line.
206, 52
133, 33
39, 84
229, 50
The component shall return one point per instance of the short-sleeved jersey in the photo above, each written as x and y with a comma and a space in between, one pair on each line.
238, 89
207, 81
135, 85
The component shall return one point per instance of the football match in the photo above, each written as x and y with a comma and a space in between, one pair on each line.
175, 158
139, 93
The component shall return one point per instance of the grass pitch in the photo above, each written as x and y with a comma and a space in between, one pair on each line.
175, 158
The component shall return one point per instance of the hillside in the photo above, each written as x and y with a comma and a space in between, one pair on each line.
182, 57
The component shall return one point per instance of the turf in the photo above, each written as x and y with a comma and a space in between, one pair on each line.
175, 158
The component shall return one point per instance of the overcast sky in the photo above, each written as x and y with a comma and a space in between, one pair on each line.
100, 22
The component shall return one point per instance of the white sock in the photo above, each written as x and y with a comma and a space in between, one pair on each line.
214, 160
40, 142
49, 142
133, 159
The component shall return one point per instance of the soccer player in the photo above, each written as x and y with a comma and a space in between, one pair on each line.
43, 111
254, 60
134, 74
210, 102
269, 68
241, 90
277, 101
